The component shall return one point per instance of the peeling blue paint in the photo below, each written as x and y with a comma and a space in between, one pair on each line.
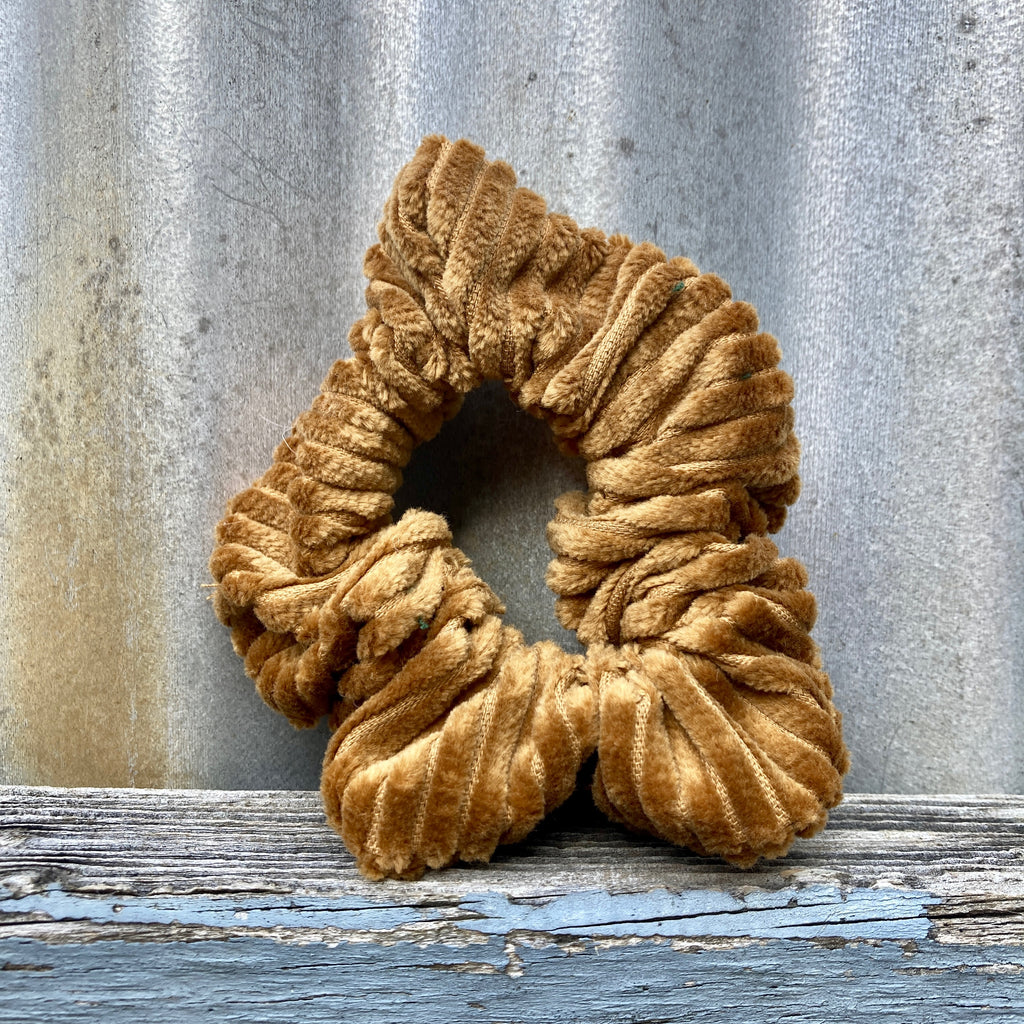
352, 912
799, 954
811, 912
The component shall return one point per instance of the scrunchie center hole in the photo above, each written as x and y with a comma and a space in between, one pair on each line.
494, 472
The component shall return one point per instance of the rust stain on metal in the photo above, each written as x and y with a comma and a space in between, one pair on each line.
86, 690
90, 662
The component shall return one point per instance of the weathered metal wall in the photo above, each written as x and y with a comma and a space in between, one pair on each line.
186, 193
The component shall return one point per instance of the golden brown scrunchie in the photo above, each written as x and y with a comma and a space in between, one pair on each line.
701, 689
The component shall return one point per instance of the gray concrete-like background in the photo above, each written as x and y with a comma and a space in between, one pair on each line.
186, 194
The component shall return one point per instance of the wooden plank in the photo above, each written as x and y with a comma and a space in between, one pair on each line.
243, 906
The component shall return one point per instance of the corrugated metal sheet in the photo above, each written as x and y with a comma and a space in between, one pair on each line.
187, 191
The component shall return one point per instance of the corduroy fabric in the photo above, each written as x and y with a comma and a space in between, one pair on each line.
701, 691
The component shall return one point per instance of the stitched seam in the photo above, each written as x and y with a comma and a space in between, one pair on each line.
428, 781
464, 214
637, 755
373, 834
439, 162
766, 784
527, 715
485, 264
816, 748
537, 766
482, 734
562, 711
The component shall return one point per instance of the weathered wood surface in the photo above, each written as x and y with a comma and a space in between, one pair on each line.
243, 906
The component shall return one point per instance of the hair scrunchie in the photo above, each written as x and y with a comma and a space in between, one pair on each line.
701, 690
